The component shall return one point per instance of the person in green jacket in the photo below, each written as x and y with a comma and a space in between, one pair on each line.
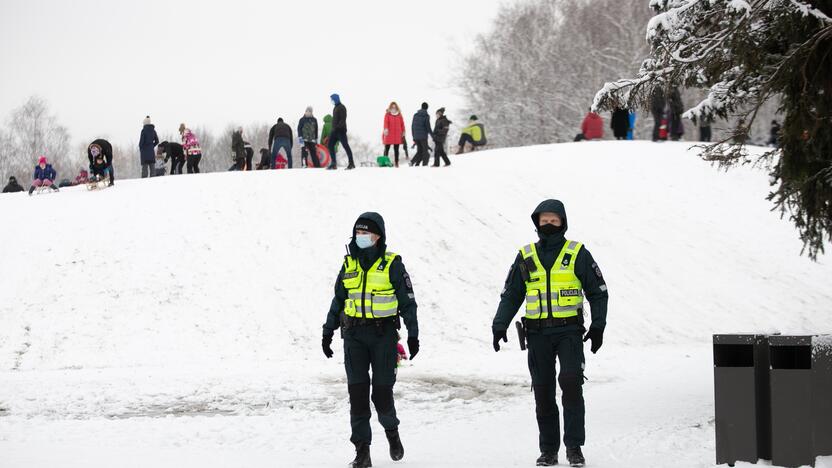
474, 133
326, 131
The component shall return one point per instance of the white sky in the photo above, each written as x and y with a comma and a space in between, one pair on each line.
104, 65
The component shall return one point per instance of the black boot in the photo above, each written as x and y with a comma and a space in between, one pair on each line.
31, 189
351, 166
396, 449
362, 456
575, 457
547, 459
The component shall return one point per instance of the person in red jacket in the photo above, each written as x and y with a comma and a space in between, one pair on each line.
592, 127
393, 130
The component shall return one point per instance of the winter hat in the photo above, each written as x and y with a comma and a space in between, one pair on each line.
335, 98
309, 109
425, 106
146, 120
182, 128
441, 110
42, 160
280, 120
367, 225
473, 117
12, 180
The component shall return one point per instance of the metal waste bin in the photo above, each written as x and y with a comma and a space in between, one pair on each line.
822, 392
791, 400
741, 386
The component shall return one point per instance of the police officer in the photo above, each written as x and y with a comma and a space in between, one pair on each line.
553, 276
372, 291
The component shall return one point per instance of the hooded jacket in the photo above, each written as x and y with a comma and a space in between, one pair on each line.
398, 277
147, 143
311, 120
12, 186
339, 114
593, 126
548, 248
440, 129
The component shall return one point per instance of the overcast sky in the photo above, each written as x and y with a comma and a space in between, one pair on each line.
104, 65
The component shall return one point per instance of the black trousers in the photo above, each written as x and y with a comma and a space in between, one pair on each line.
365, 348
395, 151
176, 165
339, 136
439, 152
148, 169
193, 163
565, 347
312, 149
422, 156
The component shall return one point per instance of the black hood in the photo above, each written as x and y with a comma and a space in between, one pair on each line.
551, 206
381, 246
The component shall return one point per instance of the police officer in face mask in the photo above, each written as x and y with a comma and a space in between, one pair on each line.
554, 276
372, 292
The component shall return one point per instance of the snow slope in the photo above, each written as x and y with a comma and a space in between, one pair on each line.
176, 321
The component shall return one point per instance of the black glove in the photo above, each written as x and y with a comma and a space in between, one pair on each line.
326, 343
596, 335
497, 335
413, 346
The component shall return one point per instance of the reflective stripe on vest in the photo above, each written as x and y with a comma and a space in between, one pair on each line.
370, 294
564, 295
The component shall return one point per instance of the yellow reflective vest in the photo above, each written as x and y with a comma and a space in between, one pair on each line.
556, 293
370, 294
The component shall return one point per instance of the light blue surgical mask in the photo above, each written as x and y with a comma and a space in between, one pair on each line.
364, 241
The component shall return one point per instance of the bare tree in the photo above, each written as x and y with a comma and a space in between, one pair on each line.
33, 131
531, 79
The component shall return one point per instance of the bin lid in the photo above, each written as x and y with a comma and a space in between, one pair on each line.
738, 339
790, 340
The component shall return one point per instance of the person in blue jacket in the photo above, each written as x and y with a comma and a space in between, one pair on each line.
44, 176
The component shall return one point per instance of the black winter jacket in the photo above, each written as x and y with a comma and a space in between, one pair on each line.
587, 271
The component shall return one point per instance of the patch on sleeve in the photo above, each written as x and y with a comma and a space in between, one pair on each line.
407, 282
597, 270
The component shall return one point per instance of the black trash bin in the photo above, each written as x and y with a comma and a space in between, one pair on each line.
822, 394
791, 400
741, 388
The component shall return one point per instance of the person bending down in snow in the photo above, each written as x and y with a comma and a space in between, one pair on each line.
44, 176
101, 149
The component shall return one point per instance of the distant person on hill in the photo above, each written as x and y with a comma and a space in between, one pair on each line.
620, 123
339, 132
474, 134
147, 147
44, 176
393, 133
238, 150
420, 129
440, 135
102, 147
193, 152
82, 178
592, 128
280, 137
161, 163
13, 186
265, 159
657, 109
774, 134
249, 156
705, 130
308, 136
176, 153
676, 128
632, 129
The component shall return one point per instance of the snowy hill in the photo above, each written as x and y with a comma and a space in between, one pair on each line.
176, 321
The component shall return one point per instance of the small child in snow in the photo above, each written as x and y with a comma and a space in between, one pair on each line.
44, 176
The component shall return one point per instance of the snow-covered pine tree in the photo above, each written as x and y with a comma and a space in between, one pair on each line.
748, 52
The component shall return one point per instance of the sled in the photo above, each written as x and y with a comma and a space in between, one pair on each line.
384, 161
97, 183
280, 162
323, 157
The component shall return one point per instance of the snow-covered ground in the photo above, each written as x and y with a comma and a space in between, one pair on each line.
176, 321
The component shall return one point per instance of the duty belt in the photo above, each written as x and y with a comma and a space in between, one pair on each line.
348, 322
537, 324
